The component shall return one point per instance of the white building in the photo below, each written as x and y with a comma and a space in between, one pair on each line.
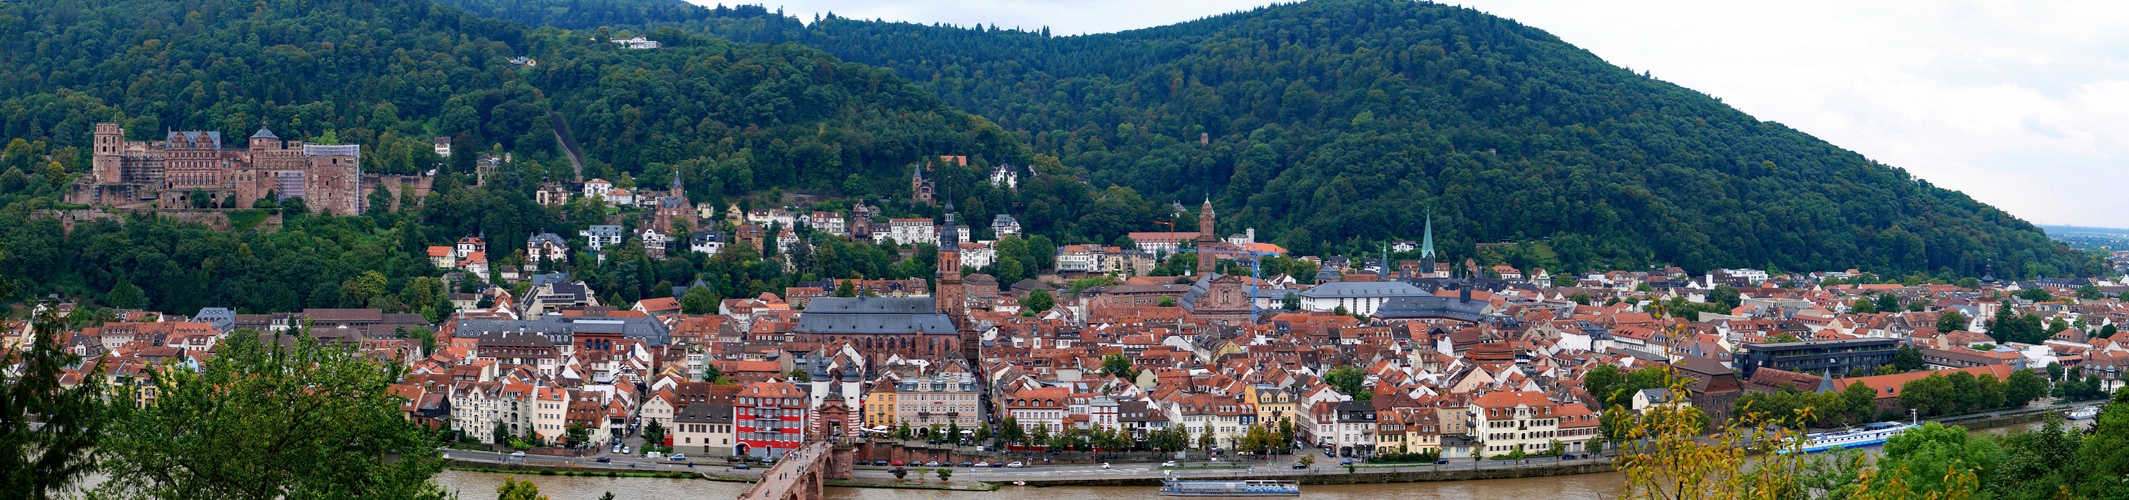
912, 231
598, 187
978, 255
601, 236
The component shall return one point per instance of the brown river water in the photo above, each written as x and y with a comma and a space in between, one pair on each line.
480, 485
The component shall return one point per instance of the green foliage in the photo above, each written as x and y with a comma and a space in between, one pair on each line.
1116, 365
1888, 302
1907, 358
49, 429
1917, 456
1863, 306
273, 417
1613, 387
1093, 281
1350, 381
1950, 320
699, 301
1725, 296
513, 489
1038, 301
1364, 108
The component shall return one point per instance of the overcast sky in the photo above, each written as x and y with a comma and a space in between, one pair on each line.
2023, 105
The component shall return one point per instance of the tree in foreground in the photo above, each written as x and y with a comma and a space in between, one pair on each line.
513, 489
269, 417
47, 429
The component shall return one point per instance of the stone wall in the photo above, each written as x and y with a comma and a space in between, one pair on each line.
212, 218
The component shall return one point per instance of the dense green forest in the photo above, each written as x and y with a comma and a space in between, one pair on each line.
1328, 126
1332, 123
732, 119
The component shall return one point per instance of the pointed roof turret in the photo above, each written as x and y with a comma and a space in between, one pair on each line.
1426, 241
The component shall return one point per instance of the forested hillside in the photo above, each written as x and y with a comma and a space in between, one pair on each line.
1335, 122
732, 119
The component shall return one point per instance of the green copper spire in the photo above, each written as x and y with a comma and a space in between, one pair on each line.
1426, 242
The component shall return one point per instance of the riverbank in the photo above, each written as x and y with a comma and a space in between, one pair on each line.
1573, 480
1361, 475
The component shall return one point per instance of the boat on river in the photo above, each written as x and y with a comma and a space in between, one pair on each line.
1869, 435
1248, 488
2083, 413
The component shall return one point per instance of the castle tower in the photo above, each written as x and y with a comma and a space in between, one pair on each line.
1207, 236
108, 159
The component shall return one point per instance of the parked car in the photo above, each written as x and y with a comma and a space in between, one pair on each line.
898, 463
742, 467
985, 463
934, 463
1441, 461
677, 457
1170, 463
1345, 462
879, 463
995, 465
965, 463
1015, 465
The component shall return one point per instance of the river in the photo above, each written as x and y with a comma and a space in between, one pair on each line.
478, 485
475, 485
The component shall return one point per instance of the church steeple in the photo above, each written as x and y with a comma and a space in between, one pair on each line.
1426, 248
1426, 240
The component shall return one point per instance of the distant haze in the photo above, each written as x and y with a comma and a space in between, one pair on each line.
2022, 105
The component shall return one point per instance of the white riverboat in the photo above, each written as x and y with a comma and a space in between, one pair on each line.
1866, 436
1251, 488
2083, 413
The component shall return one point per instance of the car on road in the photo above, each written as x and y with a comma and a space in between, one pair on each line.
965, 463
517, 454
1015, 465
605, 460
1170, 463
879, 463
1105, 465
742, 467
985, 463
679, 457
1299, 465
1345, 462
1441, 461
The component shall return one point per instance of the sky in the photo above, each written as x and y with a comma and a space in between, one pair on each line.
2022, 105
